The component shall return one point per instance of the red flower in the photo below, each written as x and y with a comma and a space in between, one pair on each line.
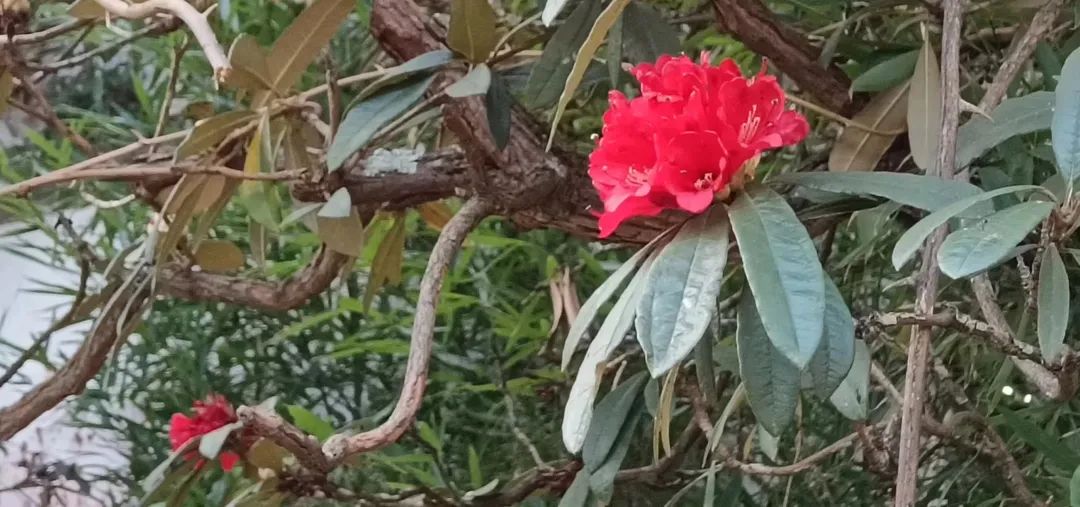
687, 137
210, 414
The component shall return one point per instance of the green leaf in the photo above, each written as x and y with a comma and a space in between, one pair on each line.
681, 291
476, 477
171, 483
1053, 301
646, 34
924, 109
424, 62
309, 422
771, 380
602, 480
887, 74
1047, 444
614, 54
832, 360
1049, 64
990, 240
472, 29
548, 76
914, 237
365, 120
783, 270
207, 133
249, 68
476, 82
1074, 489
851, 398
611, 414
210, 444
601, 295
339, 205
1065, 127
551, 11
302, 41
924, 192
584, 57
577, 495
1016, 116
768, 443
499, 104
579, 404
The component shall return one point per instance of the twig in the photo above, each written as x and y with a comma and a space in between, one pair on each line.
1000, 339
1021, 51
194, 20
45, 35
926, 291
170, 90
140, 171
105, 48
50, 116
442, 256
794, 468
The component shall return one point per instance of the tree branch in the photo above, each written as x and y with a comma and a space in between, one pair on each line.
339, 447
195, 21
926, 293
268, 424
998, 338
1021, 51
116, 321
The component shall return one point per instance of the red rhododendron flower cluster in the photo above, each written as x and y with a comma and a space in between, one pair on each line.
210, 414
686, 138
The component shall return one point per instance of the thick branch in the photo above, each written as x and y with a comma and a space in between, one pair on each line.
442, 257
268, 424
919, 348
115, 323
178, 281
751, 22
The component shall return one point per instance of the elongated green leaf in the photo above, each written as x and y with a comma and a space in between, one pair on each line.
989, 241
1046, 443
783, 270
551, 10
603, 293
1053, 300
584, 57
548, 76
1016, 116
924, 192
924, 109
914, 237
832, 361
887, 74
771, 380
472, 29
733, 404
1074, 488
681, 291
302, 41
499, 104
1065, 128
611, 414
339, 205
577, 495
211, 131
365, 120
211, 443
424, 62
1049, 64
579, 405
851, 398
476, 82
309, 422
602, 480
614, 51
645, 36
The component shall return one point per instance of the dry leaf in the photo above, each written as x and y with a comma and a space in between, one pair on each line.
859, 150
219, 256
342, 235
924, 109
435, 214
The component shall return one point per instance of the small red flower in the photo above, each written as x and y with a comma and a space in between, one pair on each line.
687, 137
210, 414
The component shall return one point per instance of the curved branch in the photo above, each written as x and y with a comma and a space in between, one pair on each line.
44, 35
115, 323
195, 21
339, 447
263, 295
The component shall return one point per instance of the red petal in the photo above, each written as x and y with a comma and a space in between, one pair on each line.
228, 460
